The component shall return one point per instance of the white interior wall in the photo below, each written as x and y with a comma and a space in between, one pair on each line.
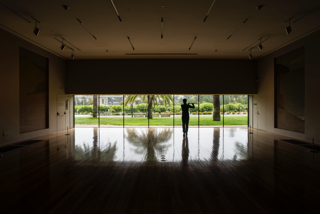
9, 87
265, 96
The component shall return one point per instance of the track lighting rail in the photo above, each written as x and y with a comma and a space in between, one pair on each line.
15, 13
238, 28
252, 43
306, 14
86, 28
63, 43
70, 44
259, 43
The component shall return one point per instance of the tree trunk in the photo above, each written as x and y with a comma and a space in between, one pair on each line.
150, 106
216, 108
94, 114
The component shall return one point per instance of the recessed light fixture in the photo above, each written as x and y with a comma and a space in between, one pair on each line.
192, 43
259, 7
66, 7
205, 18
115, 9
161, 28
130, 43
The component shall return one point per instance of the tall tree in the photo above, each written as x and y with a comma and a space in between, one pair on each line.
216, 107
152, 100
94, 114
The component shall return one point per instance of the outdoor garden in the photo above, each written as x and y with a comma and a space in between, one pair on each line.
162, 110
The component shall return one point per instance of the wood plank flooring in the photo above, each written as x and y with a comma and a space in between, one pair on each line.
157, 170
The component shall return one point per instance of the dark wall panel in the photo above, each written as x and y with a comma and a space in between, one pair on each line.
161, 76
33, 91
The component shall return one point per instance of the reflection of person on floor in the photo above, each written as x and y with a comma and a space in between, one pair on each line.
185, 151
185, 115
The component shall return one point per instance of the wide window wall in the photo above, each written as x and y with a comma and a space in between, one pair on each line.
108, 111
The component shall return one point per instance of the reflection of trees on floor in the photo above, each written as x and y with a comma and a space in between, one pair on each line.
105, 154
240, 152
149, 141
96, 152
216, 145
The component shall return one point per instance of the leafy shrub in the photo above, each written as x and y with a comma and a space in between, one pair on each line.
200, 113
128, 113
233, 112
104, 108
228, 112
206, 107
85, 112
244, 113
144, 113
142, 107
116, 108
123, 113
117, 114
209, 112
238, 113
194, 113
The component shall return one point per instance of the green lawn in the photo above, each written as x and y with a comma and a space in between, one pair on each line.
160, 121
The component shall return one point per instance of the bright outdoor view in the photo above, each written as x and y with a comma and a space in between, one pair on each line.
159, 110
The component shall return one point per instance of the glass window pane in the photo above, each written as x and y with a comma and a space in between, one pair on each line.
136, 110
111, 111
211, 111
236, 110
162, 108
86, 111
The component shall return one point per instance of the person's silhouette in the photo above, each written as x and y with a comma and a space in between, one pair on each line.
185, 115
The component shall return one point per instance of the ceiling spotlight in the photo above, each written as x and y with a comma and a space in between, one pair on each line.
36, 30
260, 46
250, 55
288, 29
63, 46
72, 55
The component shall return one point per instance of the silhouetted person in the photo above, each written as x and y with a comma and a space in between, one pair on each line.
185, 115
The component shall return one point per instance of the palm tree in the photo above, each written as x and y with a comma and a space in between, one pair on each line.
216, 107
94, 106
150, 99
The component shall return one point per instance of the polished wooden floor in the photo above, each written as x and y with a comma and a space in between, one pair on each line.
157, 170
